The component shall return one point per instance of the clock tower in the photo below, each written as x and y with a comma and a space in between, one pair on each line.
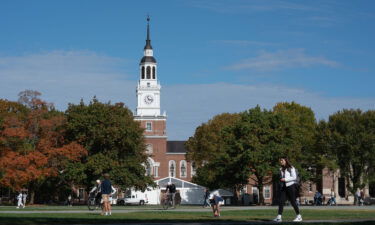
148, 109
148, 89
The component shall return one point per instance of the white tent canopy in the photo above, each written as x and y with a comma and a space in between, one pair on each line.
190, 193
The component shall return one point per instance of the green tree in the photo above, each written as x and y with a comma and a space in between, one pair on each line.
206, 142
351, 140
249, 146
260, 138
114, 141
302, 152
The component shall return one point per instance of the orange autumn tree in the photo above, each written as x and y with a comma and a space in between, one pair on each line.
32, 144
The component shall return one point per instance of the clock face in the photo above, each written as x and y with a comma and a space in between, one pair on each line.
149, 99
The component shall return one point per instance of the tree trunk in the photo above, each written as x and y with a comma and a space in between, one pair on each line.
260, 189
235, 197
32, 196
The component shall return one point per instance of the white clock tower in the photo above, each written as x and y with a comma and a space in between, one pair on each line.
148, 94
148, 89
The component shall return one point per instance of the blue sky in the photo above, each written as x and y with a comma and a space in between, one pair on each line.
213, 56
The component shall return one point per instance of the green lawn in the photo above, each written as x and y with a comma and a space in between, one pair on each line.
227, 217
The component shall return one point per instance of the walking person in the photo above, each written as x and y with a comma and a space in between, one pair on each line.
287, 188
96, 192
332, 200
24, 198
206, 198
171, 192
19, 200
358, 196
106, 190
69, 201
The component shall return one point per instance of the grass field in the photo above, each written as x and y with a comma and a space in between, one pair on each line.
152, 215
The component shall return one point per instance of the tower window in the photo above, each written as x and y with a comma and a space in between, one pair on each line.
153, 72
148, 126
143, 72
148, 72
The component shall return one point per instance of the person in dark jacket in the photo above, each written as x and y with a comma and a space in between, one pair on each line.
206, 199
171, 192
106, 190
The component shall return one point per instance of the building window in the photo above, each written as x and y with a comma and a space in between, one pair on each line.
193, 169
255, 195
342, 187
156, 171
153, 72
172, 168
183, 168
143, 72
148, 169
267, 192
310, 187
148, 72
148, 126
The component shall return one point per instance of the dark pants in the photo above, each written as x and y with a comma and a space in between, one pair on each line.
206, 202
289, 192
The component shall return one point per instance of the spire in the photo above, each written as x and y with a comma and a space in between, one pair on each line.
148, 41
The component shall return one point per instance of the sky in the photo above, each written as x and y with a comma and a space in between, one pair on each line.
214, 56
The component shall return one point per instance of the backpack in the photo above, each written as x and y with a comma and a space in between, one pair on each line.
298, 177
297, 182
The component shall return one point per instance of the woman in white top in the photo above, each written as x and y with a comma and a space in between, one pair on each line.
288, 178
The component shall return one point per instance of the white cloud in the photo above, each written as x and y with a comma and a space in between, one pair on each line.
282, 59
68, 76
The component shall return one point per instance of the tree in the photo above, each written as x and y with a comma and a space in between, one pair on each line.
249, 147
114, 141
303, 153
351, 140
206, 142
32, 145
